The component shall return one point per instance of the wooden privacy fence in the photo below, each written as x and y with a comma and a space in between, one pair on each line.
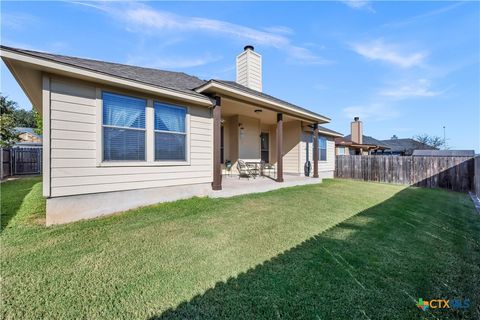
453, 173
18, 161
477, 176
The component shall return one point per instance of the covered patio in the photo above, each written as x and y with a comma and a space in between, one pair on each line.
257, 128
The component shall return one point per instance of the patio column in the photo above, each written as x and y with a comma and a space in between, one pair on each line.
279, 139
315, 150
217, 127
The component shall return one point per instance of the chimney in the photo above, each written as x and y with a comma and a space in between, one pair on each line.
249, 69
357, 130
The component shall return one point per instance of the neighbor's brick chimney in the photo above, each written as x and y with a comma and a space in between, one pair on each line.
357, 130
249, 69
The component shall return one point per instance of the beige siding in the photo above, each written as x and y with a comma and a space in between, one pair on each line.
291, 147
75, 168
323, 166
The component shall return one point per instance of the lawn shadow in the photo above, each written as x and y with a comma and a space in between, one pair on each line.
373, 265
14, 197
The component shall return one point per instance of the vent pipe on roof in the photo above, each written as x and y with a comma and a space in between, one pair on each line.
249, 68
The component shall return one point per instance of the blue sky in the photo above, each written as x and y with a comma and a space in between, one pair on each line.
405, 68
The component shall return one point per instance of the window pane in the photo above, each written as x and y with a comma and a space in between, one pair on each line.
169, 118
169, 146
322, 148
123, 144
322, 142
323, 154
123, 111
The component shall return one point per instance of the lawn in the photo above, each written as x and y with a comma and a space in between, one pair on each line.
336, 250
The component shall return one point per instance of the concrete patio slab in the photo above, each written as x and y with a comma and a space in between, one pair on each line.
233, 186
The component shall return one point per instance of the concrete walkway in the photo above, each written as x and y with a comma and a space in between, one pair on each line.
233, 186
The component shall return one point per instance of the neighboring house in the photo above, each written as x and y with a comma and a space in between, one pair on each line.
443, 153
119, 136
28, 138
405, 147
358, 144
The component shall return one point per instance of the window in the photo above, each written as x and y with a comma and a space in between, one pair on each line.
264, 147
123, 128
322, 148
341, 151
170, 132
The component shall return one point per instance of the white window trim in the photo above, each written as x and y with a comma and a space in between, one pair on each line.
149, 138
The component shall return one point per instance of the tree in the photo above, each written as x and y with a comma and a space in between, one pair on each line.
8, 134
432, 141
394, 137
24, 118
38, 128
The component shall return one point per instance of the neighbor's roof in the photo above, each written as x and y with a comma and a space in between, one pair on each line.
370, 141
168, 79
178, 81
27, 130
238, 86
399, 145
444, 153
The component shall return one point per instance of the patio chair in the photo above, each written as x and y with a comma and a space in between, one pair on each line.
244, 170
255, 168
267, 167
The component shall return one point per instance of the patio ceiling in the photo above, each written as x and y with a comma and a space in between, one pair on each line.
232, 107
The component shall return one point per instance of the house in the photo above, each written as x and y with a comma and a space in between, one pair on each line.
357, 143
117, 136
443, 153
28, 138
405, 147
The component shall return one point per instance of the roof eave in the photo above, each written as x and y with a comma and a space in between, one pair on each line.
213, 86
55, 67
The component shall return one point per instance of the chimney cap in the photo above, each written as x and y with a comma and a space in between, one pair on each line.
356, 118
248, 47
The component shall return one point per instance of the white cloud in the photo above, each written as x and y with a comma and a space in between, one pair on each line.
418, 88
143, 19
372, 112
16, 21
172, 62
379, 50
279, 29
359, 4
421, 17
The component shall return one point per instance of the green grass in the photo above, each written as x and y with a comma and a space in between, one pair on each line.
337, 250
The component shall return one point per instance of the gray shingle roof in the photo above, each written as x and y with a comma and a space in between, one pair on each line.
444, 153
408, 145
178, 81
369, 140
264, 95
321, 128
167, 79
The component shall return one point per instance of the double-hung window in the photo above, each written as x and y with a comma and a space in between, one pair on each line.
322, 148
123, 128
170, 132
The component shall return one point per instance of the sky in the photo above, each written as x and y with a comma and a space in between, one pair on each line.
405, 68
